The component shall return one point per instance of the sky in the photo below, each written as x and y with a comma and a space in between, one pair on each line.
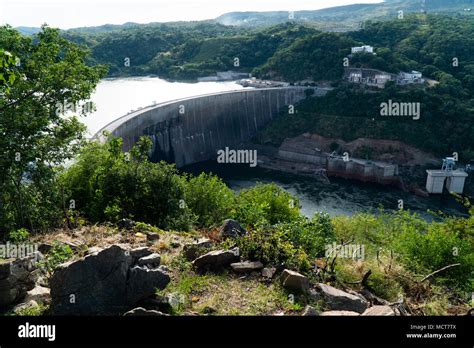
66, 14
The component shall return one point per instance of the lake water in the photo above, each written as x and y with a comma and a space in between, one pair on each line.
116, 97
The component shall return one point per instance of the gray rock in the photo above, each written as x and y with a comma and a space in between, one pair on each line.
310, 312
196, 249
339, 313
17, 277
385, 311
143, 312
126, 224
152, 260
143, 282
24, 305
231, 228
39, 294
247, 266
104, 283
159, 303
340, 300
294, 281
216, 259
96, 284
152, 237
138, 253
268, 272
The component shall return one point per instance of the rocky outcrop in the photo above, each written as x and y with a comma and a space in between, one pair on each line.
17, 277
216, 260
247, 266
231, 228
106, 282
340, 300
294, 281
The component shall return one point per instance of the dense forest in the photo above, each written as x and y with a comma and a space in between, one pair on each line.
288, 51
441, 47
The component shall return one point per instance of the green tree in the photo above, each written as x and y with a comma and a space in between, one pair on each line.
36, 134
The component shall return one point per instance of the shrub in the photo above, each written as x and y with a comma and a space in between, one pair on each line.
442, 244
58, 254
271, 246
18, 236
310, 235
108, 185
209, 198
266, 204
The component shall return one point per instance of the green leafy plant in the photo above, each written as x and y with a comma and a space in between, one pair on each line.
19, 236
58, 254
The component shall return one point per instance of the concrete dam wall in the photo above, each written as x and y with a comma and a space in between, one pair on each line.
192, 130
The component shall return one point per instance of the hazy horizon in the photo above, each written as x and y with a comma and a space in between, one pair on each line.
66, 14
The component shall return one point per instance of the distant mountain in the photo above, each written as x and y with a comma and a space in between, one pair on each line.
340, 18
345, 17
28, 30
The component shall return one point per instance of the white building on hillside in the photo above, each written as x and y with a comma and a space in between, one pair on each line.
405, 78
362, 49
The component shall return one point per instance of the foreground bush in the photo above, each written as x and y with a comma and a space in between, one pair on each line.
209, 198
107, 185
266, 204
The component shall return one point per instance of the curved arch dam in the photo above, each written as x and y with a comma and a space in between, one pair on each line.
192, 130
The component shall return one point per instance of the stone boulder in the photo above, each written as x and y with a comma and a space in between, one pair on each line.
152, 260
310, 312
106, 282
138, 253
143, 282
294, 281
340, 300
158, 303
24, 305
231, 228
193, 251
247, 266
152, 237
216, 260
17, 277
39, 294
126, 224
385, 311
268, 272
